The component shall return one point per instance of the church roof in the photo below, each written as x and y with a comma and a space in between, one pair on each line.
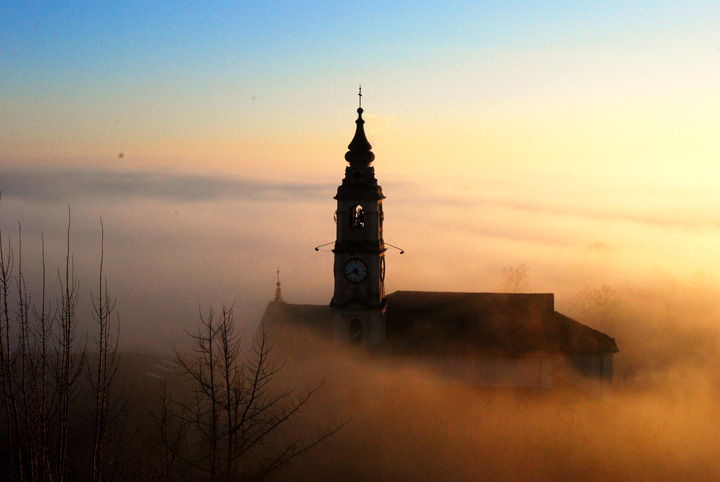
512, 324
443, 323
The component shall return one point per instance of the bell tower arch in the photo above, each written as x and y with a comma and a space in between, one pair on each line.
359, 297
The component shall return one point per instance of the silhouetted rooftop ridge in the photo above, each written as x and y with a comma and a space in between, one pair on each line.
440, 322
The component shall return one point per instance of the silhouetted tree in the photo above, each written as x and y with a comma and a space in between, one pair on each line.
235, 422
516, 278
40, 364
108, 405
40, 368
596, 305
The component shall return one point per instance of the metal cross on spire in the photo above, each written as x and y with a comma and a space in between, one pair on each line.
360, 96
278, 291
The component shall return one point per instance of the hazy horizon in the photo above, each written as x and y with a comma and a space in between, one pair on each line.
178, 241
577, 139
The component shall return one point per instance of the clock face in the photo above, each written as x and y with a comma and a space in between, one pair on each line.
355, 270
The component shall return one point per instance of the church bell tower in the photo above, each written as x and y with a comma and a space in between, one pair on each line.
359, 298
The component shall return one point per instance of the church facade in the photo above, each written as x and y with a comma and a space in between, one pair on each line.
478, 339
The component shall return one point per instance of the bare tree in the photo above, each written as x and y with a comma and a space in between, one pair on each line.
516, 278
40, 364
237, 420
109, 407
39, 368
597, 305
10, 395
171, 432
69, 363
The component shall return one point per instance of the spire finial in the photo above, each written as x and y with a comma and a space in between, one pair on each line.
278, 291
360, 149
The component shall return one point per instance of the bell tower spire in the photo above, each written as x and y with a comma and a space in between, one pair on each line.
360, 153
278, 291
359, 297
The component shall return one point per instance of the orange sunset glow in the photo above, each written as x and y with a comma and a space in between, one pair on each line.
576, 140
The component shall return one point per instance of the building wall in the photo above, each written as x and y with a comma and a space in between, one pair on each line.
592, 373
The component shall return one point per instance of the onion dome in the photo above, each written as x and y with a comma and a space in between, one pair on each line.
360, 153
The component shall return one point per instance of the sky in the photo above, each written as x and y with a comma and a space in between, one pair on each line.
579, 138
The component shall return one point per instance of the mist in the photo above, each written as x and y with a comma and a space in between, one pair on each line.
406, 422
177, 242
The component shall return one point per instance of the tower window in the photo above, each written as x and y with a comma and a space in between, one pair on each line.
357, 217
355, 330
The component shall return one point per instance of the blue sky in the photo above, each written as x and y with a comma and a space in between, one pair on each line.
230, 82
98, 54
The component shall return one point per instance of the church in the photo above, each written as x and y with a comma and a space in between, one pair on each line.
513, 340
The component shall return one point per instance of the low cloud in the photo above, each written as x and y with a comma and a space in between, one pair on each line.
599, 246
617, 201
185, 236
65, 184
588, 199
